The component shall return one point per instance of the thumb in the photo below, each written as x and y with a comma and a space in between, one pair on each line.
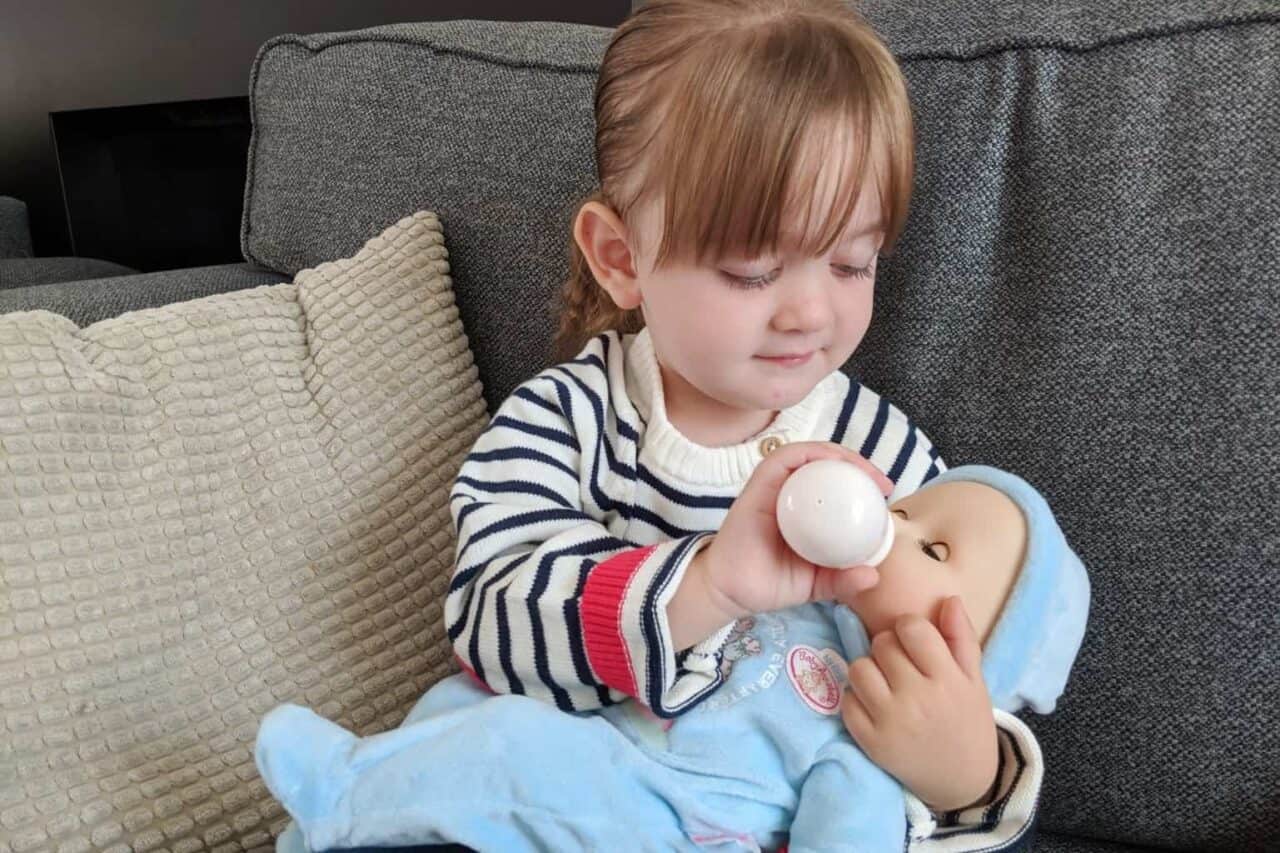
962, 639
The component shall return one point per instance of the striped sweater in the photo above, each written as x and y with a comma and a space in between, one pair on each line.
579, 509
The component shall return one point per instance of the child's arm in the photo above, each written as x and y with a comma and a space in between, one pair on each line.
882, 433
545, 599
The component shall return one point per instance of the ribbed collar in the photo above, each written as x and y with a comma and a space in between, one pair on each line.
666, 448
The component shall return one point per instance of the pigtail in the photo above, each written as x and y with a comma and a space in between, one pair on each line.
586, 309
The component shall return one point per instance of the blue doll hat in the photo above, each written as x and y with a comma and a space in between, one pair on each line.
1030, 650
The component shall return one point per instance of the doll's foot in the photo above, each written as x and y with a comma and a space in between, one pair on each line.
302, 758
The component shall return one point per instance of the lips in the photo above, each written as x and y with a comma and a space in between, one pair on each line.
791, 360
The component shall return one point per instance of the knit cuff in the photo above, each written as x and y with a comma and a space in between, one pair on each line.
1000, 823
626, 634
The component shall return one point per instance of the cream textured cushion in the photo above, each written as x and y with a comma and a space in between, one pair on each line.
210, 508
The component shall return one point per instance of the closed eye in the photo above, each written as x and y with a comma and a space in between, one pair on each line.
846, 271
939, 551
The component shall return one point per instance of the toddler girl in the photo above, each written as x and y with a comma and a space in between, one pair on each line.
616, 518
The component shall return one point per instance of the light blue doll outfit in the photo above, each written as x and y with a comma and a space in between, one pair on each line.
763, 761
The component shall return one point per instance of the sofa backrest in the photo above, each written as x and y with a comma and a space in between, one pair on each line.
1087, 293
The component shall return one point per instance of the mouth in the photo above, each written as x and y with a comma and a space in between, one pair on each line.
792, 360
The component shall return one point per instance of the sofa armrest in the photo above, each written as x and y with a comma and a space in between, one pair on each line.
15, 230
86, 302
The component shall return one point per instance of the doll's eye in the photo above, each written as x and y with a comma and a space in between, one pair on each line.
935, 550
901, 512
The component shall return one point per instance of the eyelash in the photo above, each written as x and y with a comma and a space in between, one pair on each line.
926, 547
759, 281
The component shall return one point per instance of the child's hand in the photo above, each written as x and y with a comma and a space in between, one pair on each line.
919, 708
749, 568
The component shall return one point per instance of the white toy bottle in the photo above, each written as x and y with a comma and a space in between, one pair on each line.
832, 513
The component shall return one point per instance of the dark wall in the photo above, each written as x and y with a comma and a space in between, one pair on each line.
71, 54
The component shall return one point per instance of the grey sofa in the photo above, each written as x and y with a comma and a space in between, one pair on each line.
19, 267
1087, 292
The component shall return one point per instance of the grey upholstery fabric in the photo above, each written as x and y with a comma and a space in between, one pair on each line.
96, 300
1070, 844
15, 230
488, 124
29, 272
1087, 293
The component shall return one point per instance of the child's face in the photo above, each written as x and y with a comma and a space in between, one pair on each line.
957, 538
721, 334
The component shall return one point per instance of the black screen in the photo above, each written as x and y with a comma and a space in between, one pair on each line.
157, 186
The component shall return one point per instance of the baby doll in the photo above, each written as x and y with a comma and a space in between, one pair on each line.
764, 761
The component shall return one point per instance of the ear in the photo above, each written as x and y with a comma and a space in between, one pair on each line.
602, 237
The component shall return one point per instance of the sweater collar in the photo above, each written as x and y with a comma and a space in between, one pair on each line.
663, 446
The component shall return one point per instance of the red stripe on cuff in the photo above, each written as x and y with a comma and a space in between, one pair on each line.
471, 672
601, 610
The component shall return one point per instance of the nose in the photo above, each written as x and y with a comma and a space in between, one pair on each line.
804, 306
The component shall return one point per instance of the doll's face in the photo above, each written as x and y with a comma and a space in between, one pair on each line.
958, 538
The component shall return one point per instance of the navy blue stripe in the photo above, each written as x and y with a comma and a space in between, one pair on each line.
682, 498
464, 619
651, 518
526, 394
846, 412
540, 583
606, 503
506, 453
504, 643
993, 814
563, 395
904, 455
555, 435
654, 640
470, 508
522, 487
511, 522
597, 408
877, 427
573, 620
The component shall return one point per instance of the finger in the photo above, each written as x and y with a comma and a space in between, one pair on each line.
924, 645
899, 671
885, 484
957, 631
866, 681
856, 719
842, 585
847, 583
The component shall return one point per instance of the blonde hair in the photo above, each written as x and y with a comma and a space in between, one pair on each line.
706, 105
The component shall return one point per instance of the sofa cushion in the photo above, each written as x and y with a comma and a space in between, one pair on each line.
97, 299
29, 272
210, 508
487, 123
1086, 293
15, 229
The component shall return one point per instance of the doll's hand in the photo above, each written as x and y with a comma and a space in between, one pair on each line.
918, 707
749, 568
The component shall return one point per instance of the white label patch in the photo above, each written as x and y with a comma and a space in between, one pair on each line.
811, 676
